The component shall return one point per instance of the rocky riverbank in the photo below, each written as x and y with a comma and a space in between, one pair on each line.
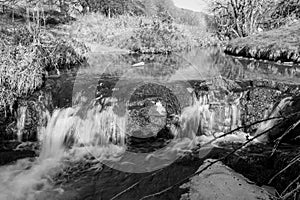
279, 45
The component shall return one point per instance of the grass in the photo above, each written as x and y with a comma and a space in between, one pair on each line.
281, 44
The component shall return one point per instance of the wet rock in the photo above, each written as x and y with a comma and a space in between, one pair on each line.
9, 156
256, 103
29, 118
287, 128
28, 146
219, 182
22, 122
257, 163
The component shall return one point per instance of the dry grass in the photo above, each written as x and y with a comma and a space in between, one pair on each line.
280, 44
96, 28
27, 53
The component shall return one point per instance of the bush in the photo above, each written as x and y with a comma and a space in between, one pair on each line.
96, 28
158, 37
139, 33
239, 18
282, 13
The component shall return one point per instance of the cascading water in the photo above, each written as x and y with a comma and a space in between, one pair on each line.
217, 116
72, 132
66, 131
21, 121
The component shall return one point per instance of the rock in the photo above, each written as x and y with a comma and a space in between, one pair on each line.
219, 182
289, 108
28, 146
9, 156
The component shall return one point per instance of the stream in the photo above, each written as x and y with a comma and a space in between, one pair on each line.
129, 126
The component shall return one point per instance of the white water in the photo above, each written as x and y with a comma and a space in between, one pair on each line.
21, 121
71, 132
91, 134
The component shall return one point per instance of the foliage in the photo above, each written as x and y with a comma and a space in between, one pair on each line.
239, 18
158, 37
138, 33
282, 13
113, 8
108, 8
113, 30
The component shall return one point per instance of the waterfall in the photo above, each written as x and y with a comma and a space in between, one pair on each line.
70, 133
206, 120
210, 116
68, 128
74, 132
21, 121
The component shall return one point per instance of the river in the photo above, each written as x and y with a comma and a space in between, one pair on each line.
127, 126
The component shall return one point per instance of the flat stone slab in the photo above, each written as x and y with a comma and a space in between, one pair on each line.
219, 182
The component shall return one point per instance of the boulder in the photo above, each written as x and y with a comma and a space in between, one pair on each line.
286, 128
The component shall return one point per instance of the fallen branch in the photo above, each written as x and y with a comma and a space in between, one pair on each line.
290, 185
288, 195
284, 169
278, 140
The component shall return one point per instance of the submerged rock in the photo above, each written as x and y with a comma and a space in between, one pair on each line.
219, 182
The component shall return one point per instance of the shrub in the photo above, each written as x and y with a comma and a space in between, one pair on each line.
96, 28
282, 13
158, 37
239, 18
139, 33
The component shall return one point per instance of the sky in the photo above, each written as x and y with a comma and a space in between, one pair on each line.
196, 5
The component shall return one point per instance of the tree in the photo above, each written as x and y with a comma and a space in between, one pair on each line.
239, 18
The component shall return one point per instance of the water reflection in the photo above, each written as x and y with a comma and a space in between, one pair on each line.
196, 64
